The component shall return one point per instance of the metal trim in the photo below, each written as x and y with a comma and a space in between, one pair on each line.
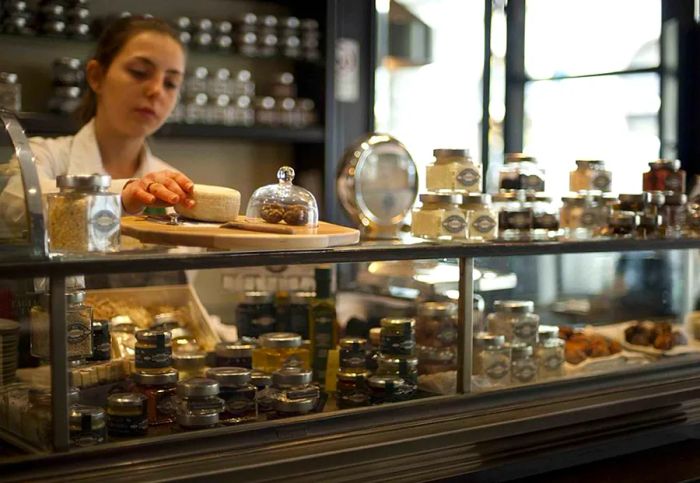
59, 364
466, 325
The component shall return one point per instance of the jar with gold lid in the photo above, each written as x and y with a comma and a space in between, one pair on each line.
440, 217
159, 390
127, 414
153, 351
87, 426
278, 350
453, 171
353, 354
397, 336
351, 389
481, 215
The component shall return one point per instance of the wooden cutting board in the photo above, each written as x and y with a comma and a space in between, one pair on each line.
211, 235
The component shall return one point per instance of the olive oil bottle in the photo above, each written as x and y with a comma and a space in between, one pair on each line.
323, 325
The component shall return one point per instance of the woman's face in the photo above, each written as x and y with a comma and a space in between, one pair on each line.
140, 88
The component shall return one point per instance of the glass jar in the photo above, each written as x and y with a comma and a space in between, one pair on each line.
153, 351
351, 389
545, 217
483, 219
403, 366
189, 364
547, 332
674, 215
514, 319
495, 361
183, 341
87, 426
580, 217
299, 312
10, 92
78, 327
482, 340
237, 392
515, 217
654, 202
520, 172
35, 423
294, 392
453, 171
635, 202
440, 217
550, 358
265, 394
436, 324
234, 354
198, 404
256, 314
83, 216
67, 71
127, 414
398, 336
159, 390
665, 175
278, 350
353, 354
622, 224
590, 175
101, 341
523, 368
388, 389
648, 225
432, 360
123, 332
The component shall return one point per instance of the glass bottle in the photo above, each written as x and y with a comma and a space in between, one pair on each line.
237, 392
153, 351
351, 389
520, 172
665, 175
234, 354
514, 319
198, 405
189, 364
159, 390
127, 414
323, 325
590, 175
278, 350
255, 315
87, 426
523, 364
483, 219
495, 362
440, 217
453, 171
398, 336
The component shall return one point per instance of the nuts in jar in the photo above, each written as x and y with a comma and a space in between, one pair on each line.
440, 217
454, 171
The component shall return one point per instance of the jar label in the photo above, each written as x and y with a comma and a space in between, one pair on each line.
454, 224
304, 393
153, 358
602, 182
525, 330
105, 221
468, 177
294, 360
165, 405
397, 344
553, 362
484, 224
673, 182
497, 370
525, 372
588, 219
127, 425
352, 360
516, 220
263, 322
78, 332
240, 405
447, 335
545, 221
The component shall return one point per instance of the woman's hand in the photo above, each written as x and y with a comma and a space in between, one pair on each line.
162, 188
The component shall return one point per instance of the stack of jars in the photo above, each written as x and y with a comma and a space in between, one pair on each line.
436, 342
351, 388
454, 207
396, 377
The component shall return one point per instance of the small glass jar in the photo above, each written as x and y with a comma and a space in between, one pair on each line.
674, 215
234, 354
389, 388
665, 175
482, 216
239, 395
87, 426
622, 224
159, 390
523, 368
403, 366
550, 358
520, 172
10, 92
545, 217
590, 175
453, 171
648, 225
255, 315
398, 336
495, 361
101, 341
189, 364
547, 332
440, 217
436, 324
198, 403
183, 341
482, 340
635, 202
153, 351
353, 354
514, 319
123, 332
35, 423
580, 217
654, 202
127, 414
294, 392
265, 394
83, 216
351, 389
299, 313
278, 350
515, 217
432, 360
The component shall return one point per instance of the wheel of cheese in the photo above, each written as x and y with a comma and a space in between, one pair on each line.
212, 203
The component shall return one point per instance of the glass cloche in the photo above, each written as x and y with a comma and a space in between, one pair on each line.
283, 202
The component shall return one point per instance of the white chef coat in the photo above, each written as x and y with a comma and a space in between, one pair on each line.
77, 154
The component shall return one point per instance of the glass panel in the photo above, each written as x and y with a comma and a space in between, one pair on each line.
590, 36
629, 311
618, 124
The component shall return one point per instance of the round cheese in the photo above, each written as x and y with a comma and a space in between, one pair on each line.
212, 203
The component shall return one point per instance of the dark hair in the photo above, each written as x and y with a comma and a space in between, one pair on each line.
112, 40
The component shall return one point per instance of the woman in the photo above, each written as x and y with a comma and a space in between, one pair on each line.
134, 80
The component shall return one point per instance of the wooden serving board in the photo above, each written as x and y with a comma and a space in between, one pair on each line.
211, 235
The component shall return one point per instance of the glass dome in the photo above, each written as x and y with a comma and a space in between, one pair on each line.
283, 202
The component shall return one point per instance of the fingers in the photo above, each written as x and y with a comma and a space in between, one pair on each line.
183, 181
161, 192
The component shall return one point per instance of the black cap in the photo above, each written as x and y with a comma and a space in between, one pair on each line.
323, 283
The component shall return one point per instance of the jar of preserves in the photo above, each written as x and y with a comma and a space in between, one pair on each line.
294, 392
159, 390
403, 366
622, 223
87, 426
550, 358
237, 392
520, 172
648, 225
590, 175
482, 340
495, 361
353, 354
351, 389
432, 360
635, 202
440, 217
398, 336
278, 350
78, 327
234, 354
256, 314
436, 324
127, 414
665, 175
153, 351
483, 219
189, 364
515, 217
673, 215
198, 404
523, 367
389, 388
514, 319
265, 394
580, 217
453, 171
545, 217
